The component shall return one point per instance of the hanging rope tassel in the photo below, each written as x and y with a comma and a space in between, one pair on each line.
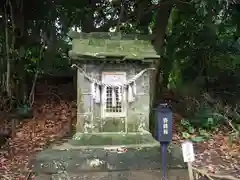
134, 89
98, 94
104, 94
93, 88
130, 94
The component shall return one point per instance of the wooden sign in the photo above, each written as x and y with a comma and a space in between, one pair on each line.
188, 152
114, 77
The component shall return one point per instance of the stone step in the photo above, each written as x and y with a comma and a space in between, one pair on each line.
81, 139
172, 174
52, 161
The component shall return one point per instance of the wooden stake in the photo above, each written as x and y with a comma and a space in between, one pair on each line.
190, 171
188, 157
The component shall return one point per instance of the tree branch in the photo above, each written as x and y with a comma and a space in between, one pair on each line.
120, 16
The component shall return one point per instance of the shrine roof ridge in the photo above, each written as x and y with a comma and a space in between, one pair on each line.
108, 35
111, 45
111, 57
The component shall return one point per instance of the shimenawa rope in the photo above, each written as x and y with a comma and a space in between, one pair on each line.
93, 80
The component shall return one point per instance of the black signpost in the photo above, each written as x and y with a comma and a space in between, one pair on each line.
164, 133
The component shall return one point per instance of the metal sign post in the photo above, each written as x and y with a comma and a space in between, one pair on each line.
164, 133
164, 147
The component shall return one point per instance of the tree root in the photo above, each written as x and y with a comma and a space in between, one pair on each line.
28, 176
5, 177
211, 176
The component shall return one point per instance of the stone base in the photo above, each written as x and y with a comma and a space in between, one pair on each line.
173, 174
95, 157
84, 139
101, 163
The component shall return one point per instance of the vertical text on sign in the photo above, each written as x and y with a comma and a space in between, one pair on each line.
165, 126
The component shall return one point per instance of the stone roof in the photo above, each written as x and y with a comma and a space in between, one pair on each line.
104, 45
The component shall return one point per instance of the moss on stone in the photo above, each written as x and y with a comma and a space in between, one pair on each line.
77, 160
108, 45
113, 125
108, 35
111, 139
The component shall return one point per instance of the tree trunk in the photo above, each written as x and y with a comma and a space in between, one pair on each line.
159, 32
143, 18
18, 43
8, 72
87, 23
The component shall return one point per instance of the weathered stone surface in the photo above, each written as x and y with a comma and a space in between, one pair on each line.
111, 44
92, 46
113, 125
89, 113
91, 160
104, 139
173, 174
106, 164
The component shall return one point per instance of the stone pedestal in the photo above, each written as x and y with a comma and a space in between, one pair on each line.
99, 163
107, 139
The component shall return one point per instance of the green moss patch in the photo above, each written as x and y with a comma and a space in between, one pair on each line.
111, 139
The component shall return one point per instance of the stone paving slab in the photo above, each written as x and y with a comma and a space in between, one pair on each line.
82, 160
125, 175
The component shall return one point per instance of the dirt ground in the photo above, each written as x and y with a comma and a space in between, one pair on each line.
52, 120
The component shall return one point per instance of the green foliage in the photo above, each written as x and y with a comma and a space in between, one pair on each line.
191, 132
205, 119
23, 110
201, 52
202, 48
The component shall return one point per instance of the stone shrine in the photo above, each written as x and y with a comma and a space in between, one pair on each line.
113, 83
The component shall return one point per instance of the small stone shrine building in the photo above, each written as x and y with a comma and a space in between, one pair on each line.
113, 82
113, 99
